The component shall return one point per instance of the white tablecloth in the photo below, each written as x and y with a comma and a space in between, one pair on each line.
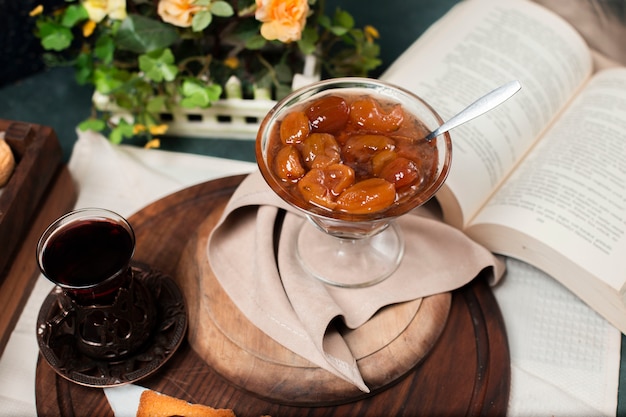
565, 358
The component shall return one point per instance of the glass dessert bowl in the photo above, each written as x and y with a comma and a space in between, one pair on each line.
350, 154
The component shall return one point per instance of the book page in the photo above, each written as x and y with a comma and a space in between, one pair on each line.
476, 47
570, 191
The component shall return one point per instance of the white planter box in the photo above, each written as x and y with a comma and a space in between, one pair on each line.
232, 118
229, 119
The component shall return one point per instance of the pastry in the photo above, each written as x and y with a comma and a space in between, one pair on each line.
7, 162
154, 404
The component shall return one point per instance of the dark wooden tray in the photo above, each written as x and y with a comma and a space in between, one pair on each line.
39, 190
467, 372
38, 158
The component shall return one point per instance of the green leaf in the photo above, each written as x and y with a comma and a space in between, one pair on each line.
104, 49
341, 24
191, 87
255, 42
265, 81
284, 74
158, 65
92, 124
195, 94
355, 36
156, 104
107, 79
74, 13
370, 50
124, 100
324, 21
141, 34
115, 26
215, 91
308, 41
83, 69
222, 9
194, 101
370, 64
54, 36
201, 20
343, 19
121, 131
338, 30
142, 87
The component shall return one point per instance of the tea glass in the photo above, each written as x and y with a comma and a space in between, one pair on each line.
87, 254
342, 248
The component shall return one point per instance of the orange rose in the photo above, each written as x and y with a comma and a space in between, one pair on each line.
178, 12
282, 19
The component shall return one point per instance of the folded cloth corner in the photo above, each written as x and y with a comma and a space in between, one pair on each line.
276, 294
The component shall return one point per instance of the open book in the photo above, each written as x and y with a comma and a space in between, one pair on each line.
542, 178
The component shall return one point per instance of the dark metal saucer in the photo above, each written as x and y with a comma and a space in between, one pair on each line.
60, 351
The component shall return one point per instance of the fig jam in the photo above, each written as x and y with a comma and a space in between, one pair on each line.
352, 153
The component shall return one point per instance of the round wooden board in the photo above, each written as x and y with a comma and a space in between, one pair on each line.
387, 347
467, 371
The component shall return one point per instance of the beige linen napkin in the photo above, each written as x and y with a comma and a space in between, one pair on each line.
297, 310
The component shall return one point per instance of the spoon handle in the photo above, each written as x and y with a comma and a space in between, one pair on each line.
480, 106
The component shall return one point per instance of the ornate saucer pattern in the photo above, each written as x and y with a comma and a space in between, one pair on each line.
59, 348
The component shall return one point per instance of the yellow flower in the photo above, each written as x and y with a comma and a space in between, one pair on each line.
158, 129
36, 11
154, 143
88, 28
178, 12
232, 62
282, 19
138, 128
99, 9
371, 33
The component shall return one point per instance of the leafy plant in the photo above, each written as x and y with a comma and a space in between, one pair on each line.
150, 56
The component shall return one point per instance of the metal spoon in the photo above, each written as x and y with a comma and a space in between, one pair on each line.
480, 106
